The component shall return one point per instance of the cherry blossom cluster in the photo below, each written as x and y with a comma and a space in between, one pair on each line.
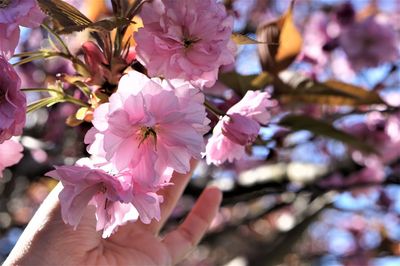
12, 101
162, 88
364, 41
15, 13
154, 123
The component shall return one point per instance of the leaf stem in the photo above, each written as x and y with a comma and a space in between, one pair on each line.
41, 90
58, 38
65, 97
76, 101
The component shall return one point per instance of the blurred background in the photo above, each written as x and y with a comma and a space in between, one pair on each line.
298, 199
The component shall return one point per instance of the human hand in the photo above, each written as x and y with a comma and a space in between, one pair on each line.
47, 240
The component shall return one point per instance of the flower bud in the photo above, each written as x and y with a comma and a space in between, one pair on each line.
240, 129
94, 59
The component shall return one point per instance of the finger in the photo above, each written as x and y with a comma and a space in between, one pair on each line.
49, 208
171, 196
182, 240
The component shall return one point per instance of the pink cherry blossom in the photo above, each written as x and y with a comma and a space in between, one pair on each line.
316, 35
345, 13
10, 154
12, 102
240, 129
224, 145
15, 13
136, 201
374, 173
369, 43
147, 204
82, 185
8, 40
150, 126
187, 39
114, 215
118, 198
254, 105
380, 132
220, 149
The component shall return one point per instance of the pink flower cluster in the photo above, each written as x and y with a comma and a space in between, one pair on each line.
369, 43
15, 13
364, 43
187, 39
149, 123
238, 128
12, 101
318, 31
148, 129
114, 194
151, 127
380, 132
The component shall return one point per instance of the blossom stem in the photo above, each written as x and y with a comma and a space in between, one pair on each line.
58, 38
213, 109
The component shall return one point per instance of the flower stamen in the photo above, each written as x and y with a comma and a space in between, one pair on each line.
103, 188
2, 94
146, 132
4, 3
188, 42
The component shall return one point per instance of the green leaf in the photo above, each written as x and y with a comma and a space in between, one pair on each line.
364, 96
81, 113
50, 91
77, 81
243, 39
101, 25
322, 128
56, 89
63, 14
43, 103
72, 121
41, 54
297, 88
27, 54
57, 95
242, 83
30, 59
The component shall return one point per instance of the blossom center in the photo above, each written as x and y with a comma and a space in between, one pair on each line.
103, 188
369, 42
188, 41
4, 3
2, 95
145, 132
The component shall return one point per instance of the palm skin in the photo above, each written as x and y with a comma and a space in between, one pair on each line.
47, 240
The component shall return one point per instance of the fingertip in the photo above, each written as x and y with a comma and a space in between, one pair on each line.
213, 193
